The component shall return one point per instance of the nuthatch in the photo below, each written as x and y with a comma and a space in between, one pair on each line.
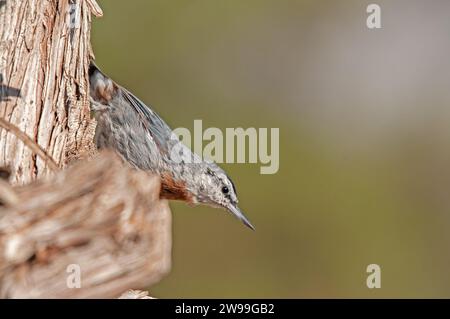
141, 137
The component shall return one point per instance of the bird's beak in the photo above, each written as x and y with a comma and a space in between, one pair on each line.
237, 212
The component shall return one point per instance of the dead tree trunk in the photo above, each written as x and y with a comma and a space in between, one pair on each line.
101, 216
44, 53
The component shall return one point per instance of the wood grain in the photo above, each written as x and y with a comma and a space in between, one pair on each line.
44, 59
100, 215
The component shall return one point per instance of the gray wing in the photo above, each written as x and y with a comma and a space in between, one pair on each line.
155, 125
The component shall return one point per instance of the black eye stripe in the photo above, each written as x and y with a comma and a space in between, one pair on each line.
232, 185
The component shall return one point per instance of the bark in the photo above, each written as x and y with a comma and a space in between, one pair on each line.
98, 214
99, 217
44, 54
135, 294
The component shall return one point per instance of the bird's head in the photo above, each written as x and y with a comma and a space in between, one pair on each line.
213, 187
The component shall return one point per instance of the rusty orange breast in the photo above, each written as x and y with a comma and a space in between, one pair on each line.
174, 189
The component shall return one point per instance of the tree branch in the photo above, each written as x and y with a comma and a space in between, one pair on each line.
101, 216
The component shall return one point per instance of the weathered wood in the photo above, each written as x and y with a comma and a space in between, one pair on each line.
102, 216
44, 85
135, 294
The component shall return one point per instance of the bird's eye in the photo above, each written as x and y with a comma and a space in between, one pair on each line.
225, 190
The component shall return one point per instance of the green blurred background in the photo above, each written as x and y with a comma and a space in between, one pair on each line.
364, 133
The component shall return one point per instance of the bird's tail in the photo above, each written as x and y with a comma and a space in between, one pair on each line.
102, 88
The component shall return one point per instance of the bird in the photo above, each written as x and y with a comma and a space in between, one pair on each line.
142, 138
